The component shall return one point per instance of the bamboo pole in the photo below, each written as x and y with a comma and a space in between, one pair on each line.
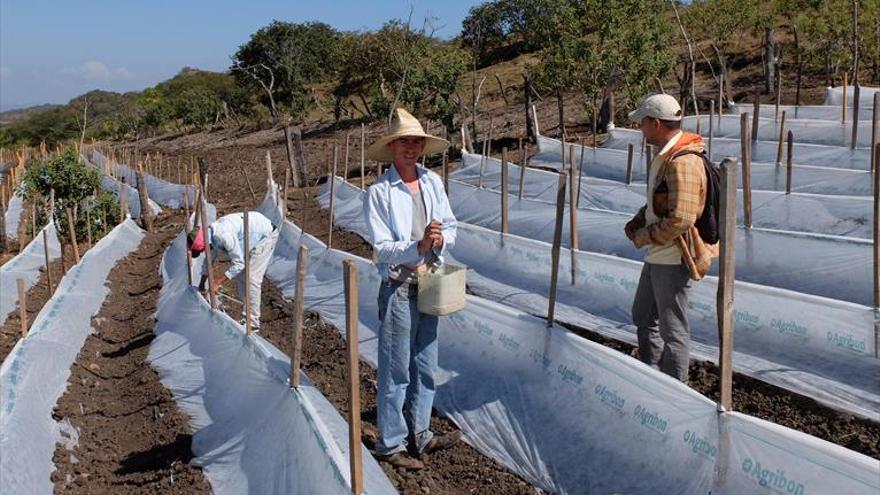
332, 196
46, 258
572, 212
363, 160
630, 149
855, 116
247, 274
554, 253
788, 163
522, 169
298, 310
756, 117
504, 193
203, 210
746, 169
71, 229
726, 276
22, 307
781, 140
874, 129
350, 275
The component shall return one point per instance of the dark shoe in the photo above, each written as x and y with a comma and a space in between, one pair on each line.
399, 459
442, 442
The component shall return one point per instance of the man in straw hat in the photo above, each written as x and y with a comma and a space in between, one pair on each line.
411, 226
667, 226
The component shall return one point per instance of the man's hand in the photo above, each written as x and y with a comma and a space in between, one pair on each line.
432, 238
631, 227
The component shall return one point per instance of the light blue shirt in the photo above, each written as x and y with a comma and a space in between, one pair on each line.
227, 239
388, 214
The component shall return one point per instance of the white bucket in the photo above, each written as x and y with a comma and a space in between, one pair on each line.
442, 291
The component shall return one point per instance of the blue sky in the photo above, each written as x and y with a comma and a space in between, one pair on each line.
52, 51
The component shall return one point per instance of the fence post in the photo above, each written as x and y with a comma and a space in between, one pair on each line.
554, 253
781, 140
504, 191
363, 160
746, 168
204, 215
572, 211
332, 196
726, 276
144, 198
788, 163
247, 271
354, 382
123, 205
756, 116
298, 310
629, 163
71, 229
291, 157
22, 307
522, 169
843, 103
46, 256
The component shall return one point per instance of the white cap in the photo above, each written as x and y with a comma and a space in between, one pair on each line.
661, 106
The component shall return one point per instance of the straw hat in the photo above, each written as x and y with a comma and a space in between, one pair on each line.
404, 125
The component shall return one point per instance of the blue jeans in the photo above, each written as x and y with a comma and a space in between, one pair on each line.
407, 363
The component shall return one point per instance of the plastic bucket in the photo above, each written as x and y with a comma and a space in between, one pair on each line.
442, 291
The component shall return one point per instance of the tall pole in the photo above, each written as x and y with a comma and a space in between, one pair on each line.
876, 179
629, 163
203, 209
522, 169
350, 275
711, 127
726, 276
46, 256
554, 253
781, 140
874, 129
788, 163
298, 312
746, 145
247, 274
855, 116
332, 195
504, 193
756, 116
363, 161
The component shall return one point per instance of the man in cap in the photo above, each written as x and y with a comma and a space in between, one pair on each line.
676, 255
226, 236
411, 226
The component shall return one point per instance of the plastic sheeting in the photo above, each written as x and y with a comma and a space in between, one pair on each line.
132, 198
815, 112
834, 96
12, 216
611, 164
35, 373
26, 265
818, 347
573, 416
805, 131
253, 433
836, 215
163, 192
764, 155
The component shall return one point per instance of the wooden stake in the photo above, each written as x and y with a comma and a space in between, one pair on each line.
345, 162
843, 103
874, 130
554, 253
781, 140
504, 190
22, 307
711, 127
726, 276
298, 310
756, 117
778, 90
523, 163
535, 118
46, 257
284, 193
445, 163
630, 149
483, 159
269, 176
89, 227
291, 160
350, 275
248, 180
876, 180
144, 198
71, 229
363, 161
855, 116
332, 196
746, 168
247, 273
203, 210
572, 211
788, 163
123, 205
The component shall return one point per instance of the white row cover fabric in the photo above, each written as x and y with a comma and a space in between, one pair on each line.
763, 152
572, 416
26, 265
818, 347
848, 216
34, 374
12, 216
161, 191
253, 433
132, 198
805, 131
815, 112
835, 267
834, 96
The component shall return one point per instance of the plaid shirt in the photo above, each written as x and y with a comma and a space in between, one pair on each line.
678, 199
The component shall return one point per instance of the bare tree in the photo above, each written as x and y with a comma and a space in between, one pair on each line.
265, 77
83, 124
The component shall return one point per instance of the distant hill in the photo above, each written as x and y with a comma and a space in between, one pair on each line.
11, 116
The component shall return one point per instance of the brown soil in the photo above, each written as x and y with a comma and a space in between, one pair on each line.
35, 300
132, 437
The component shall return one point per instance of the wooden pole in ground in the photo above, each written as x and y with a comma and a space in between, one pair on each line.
756, 117
284, 193
874, 130
270, 178
350, 275
876, 180
71, 229
746, 168
572, 210
535, 121
843, 103
363, 160
247, 275
580, 175
291, 156
188, 227
788, 163
46, 257
711, 127
203, 211
298, 310
778, 74
483, 160
522, 169
504, 190
630, 149
248, 180
89, 227
445, 164
123, 205
554, 252
781, 140
144, 198
22, 307
726, 276
855, 116
332, 196
347, 156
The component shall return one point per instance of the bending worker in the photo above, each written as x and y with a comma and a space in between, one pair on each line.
411, 226
226, 236
667, 225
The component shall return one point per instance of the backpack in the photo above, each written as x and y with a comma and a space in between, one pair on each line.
708, 223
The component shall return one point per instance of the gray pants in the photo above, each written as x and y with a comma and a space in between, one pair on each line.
660, 314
